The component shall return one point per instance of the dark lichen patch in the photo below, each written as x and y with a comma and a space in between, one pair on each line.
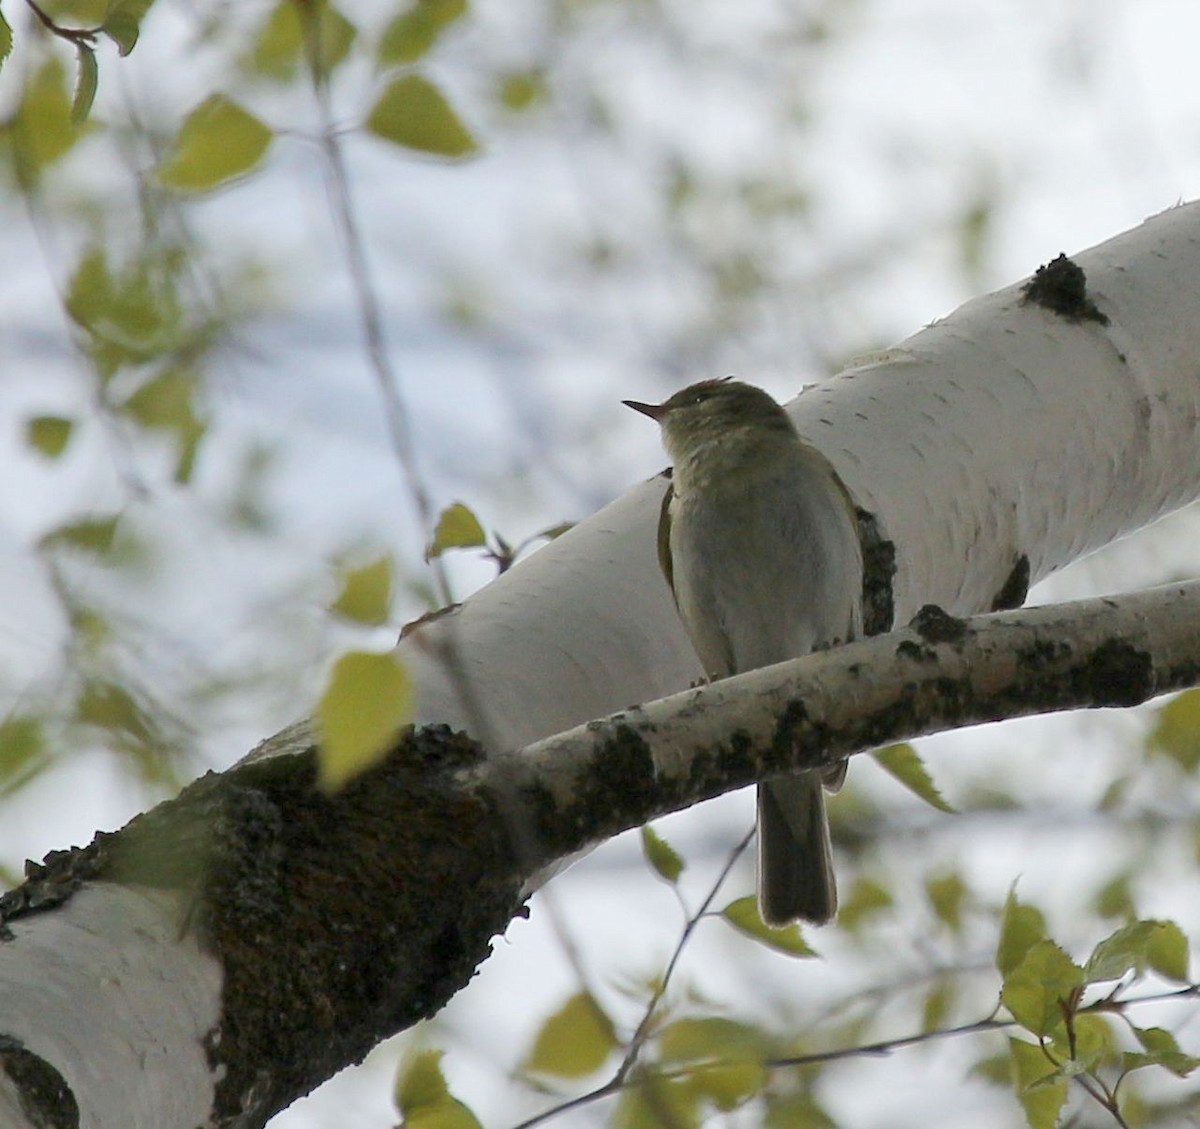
796, 732
793, 724
1113, 674
735, 760
1180, 674
712, 770
342, 919
51, 882
619, 785
937, 626
1015, 588
1044, 654
438, 746
879, 574
920, 708
44, 1096
916, 652
1117, 674
1060, 286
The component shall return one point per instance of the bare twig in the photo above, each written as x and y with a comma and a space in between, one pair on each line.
366, 296
73, 35
638, 1039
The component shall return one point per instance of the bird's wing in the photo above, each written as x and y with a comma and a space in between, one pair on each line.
664, 541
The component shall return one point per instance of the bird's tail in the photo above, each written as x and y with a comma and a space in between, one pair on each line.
795, 867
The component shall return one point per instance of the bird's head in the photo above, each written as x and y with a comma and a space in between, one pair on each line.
723, 412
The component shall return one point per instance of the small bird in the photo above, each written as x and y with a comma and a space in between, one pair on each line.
758, 540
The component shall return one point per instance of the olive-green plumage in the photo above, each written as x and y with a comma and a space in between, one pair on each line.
759, 544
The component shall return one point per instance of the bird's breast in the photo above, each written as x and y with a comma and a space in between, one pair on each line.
767, 566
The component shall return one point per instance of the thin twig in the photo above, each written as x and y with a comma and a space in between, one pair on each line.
887, 1046
73, 35
367, 298
638, 1039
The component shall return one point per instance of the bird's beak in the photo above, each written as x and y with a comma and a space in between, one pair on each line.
654, 411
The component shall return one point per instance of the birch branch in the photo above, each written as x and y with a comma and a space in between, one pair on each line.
937, 674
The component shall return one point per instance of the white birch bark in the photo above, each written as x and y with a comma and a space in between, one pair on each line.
107, 990
1002, 431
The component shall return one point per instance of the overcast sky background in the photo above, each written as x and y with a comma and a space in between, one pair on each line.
1068, 123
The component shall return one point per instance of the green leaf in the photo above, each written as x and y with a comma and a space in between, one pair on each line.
661, 855
1115, 898
995, 1068
727, 1058
938, 1002
695, 1039
520, 90
280, 43
85, 84
278, 46
335, 36
367, 701
166, 403
1167, 952
421, 1082
1138, 946
1041, 986
795, 1110
40, 131
111, 707
1092, 1041
92, 534
650, 1101
6, 39
947, 895
414, 31
366, 595
424, 1099
136, 315
866, 898
1161, 1050
727, 1085
1020, 929
743, 914
22, 750
1041, 1089
123, 24
412, 112
1177, 730
89, 294
49, 434
902, 762
457, 528
1117, 954
575, 1041
218, 141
